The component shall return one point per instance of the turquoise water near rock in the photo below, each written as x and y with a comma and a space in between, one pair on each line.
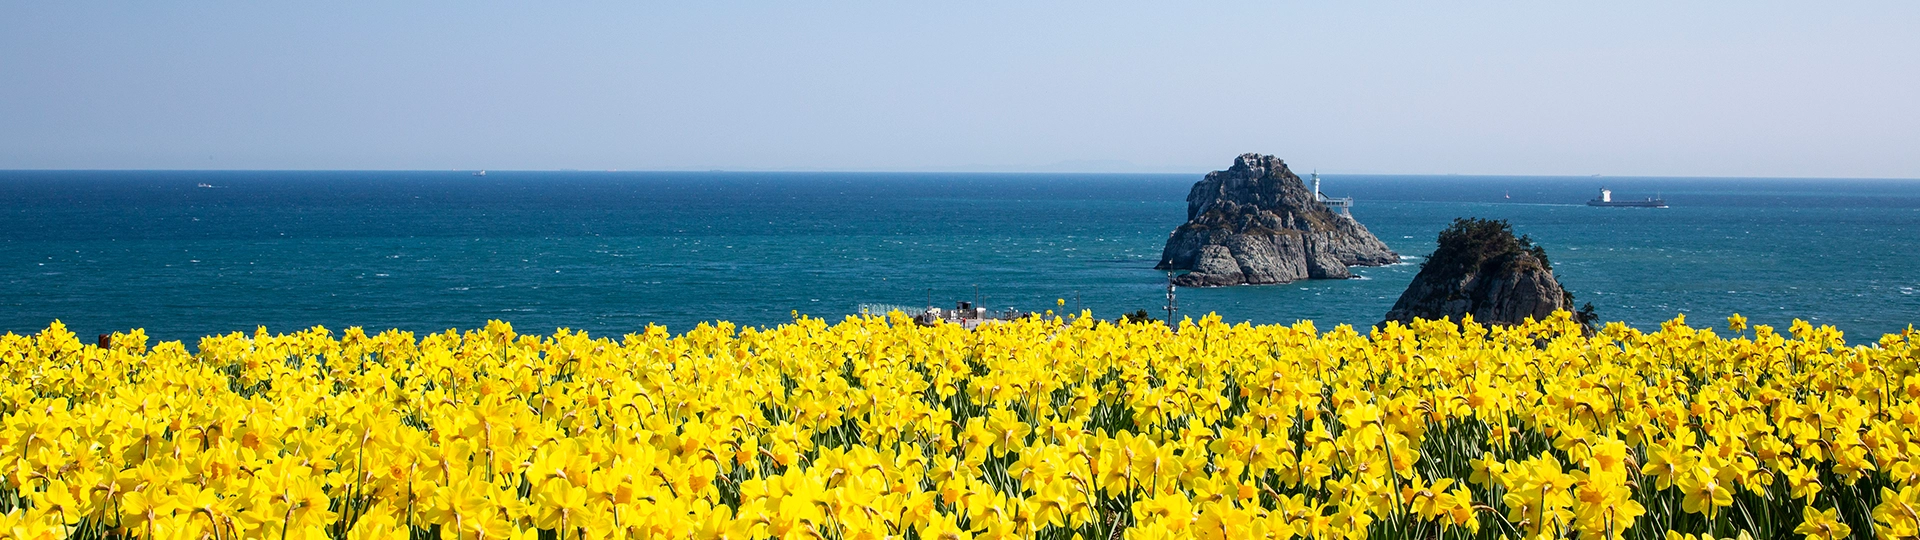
612, 252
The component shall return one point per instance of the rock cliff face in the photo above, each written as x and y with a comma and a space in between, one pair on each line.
1257, 223
1481, 269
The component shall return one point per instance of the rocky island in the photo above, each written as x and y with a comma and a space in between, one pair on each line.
1257, 223
1480, 268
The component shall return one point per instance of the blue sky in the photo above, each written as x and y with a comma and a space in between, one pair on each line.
1705, 88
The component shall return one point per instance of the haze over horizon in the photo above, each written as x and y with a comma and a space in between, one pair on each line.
1710, 89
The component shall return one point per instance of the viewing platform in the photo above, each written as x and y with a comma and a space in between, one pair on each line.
1343, 204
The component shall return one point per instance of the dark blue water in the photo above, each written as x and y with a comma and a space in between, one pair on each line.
612, 252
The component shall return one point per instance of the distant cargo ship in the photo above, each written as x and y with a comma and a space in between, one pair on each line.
1606, 199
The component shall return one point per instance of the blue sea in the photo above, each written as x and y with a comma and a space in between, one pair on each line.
186, 254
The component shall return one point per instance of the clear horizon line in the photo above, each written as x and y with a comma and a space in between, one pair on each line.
938, 171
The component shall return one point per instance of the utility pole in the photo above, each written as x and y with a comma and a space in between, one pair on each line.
1173, 304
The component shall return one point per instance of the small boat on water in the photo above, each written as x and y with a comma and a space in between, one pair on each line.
480, 173
1606, 199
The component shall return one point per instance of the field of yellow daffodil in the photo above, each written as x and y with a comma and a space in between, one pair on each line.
877, 428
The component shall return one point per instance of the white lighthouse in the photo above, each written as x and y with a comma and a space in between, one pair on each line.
1345, 204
